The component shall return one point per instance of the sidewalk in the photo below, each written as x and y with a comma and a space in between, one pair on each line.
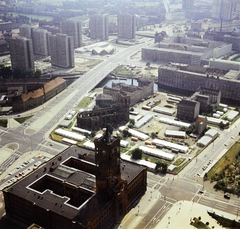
180, 215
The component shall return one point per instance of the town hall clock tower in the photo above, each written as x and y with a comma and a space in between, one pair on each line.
108, 176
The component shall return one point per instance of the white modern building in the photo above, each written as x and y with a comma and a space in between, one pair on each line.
170, 145
157, 153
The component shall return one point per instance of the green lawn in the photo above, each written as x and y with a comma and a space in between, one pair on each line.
3, 122
226, 159
85, 102
23, 119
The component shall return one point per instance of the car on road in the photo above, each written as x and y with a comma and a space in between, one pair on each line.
225, 144
198, 174
201, 191
9, 173
226, 195
232, 137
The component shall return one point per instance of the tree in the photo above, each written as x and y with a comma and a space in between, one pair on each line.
93, 133
137, 153
221, 125
37, 73
132, 121
125, 132
148, 64
162, 166
130, 125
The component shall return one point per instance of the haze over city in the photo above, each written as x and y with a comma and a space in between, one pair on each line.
119, 114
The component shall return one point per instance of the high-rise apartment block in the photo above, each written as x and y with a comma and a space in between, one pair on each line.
62, 50
98, 26
126, 26
21, 53
26, 31
224, 9
40, 39
73, 29
187, 4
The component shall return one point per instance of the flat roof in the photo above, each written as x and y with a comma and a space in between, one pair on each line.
205, 140
176, 133
157, 153
173, 122
170, 145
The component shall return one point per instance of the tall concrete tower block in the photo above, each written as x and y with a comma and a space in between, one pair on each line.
40, 41
62, 50
98, 26
26, 31
126, 26
21, 53
187, 4
73, 29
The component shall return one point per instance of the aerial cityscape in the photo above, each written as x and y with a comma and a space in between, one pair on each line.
120, 114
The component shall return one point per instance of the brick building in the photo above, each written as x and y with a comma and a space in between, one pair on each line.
188, 110
78, 188
39, 96
114, 114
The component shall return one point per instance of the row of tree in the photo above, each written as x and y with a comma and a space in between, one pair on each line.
8, 73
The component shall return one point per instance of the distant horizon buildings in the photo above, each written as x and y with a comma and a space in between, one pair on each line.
21, 53
224, 9
187, 4
126, 26
62, 50
98, 26
73, 29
